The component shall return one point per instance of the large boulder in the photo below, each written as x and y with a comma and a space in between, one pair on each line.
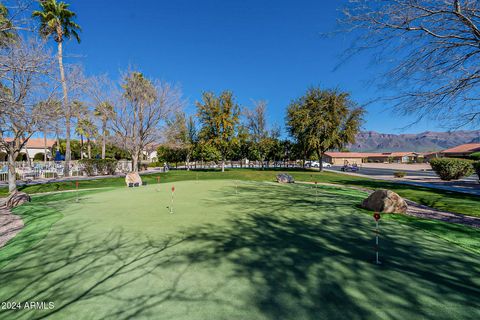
385, 201
285, 178
133, 179
16, 199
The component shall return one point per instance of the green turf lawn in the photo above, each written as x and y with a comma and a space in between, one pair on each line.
439, 199
269, 251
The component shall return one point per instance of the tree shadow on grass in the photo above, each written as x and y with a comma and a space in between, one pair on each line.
71, 269
318, 263
302, 259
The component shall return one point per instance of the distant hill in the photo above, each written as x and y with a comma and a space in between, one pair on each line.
371, 141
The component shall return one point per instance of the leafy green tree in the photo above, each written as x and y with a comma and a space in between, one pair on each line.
243, 146
170, 154
219, 117
322, 120
206, 151
57, 21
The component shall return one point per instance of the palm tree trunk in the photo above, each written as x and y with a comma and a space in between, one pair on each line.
104, 138
66, 107
89, 149
57, 134
81, 146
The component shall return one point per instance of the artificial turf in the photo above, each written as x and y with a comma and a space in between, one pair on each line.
438, 199
256, 251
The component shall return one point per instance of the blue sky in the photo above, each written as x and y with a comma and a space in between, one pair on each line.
261, 50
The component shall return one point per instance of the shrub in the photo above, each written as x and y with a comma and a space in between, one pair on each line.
88, 166
110, 166
475, 156
476, 166
399, 174
155, 164
38, 157
99, 166
451, 168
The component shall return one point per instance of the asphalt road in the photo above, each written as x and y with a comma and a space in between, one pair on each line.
389, 172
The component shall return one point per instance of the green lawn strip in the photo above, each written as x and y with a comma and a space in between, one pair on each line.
438, 199
463, 236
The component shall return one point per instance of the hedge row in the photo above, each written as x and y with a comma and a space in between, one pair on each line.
94, 167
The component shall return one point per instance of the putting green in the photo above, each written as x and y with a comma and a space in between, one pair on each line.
256, 251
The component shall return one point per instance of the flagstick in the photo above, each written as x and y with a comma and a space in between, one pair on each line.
76, 187
377, 217
171, 204
376, 242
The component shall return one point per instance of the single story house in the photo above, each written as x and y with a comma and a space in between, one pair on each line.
341, 158
396, 157
461, 151
33, 147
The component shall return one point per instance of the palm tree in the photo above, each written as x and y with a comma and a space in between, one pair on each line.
80, 111
104, 110
57, 21
86, 128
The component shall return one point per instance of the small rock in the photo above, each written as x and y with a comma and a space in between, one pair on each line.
285, 178
385, 201
133, 178
16, 199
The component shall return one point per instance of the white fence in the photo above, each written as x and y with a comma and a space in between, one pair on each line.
51, 170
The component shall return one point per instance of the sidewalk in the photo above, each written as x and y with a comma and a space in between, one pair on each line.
467, 187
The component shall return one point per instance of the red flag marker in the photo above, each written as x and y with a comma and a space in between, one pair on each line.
173, 188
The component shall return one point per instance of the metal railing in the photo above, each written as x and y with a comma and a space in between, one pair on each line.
49, 170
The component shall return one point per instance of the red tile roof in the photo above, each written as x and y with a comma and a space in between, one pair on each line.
347, 154
464, 148
37, 143
367, 154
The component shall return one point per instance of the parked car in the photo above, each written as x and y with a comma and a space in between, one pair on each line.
316, 164
350, 168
